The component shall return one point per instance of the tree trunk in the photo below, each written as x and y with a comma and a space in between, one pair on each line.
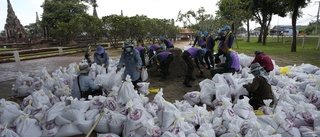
248, 31
261, 32
294, 29
266, 29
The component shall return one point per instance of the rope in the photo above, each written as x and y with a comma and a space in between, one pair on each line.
95, 124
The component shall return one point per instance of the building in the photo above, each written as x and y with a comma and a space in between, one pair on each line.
284, 30
13, 29
186, 34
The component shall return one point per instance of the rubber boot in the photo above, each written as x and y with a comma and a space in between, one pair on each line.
186, 82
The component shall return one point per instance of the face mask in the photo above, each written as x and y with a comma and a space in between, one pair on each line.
128, 49
255, 73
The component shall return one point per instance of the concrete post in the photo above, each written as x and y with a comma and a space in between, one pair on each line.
16, 56
60, 51
304, 36
319, 43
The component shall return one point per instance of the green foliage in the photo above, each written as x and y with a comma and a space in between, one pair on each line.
136, 28
58, 15
32, 29
199, 16
2, 33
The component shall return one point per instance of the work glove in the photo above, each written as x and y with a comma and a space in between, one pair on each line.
118, 69
138, 69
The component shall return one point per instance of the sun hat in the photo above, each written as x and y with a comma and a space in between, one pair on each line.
255, 67
84, 68
100, 50
227, 28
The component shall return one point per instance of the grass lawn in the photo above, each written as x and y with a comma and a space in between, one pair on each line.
281, 51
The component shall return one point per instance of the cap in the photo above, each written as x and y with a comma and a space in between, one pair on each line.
257, 52
227, 28
100, 50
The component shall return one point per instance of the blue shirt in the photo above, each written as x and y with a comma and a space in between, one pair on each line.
104, 59
85, 83
131, 61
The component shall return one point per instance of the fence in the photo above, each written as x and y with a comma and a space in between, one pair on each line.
303, 41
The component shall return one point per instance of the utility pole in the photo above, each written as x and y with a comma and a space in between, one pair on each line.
317, 18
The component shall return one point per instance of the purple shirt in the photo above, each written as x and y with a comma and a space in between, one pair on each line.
193, 52
139, 48
235, 61
164, 55
201, 41
168, 43
220, 45
154, 47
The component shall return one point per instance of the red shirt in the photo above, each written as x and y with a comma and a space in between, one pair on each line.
264, 61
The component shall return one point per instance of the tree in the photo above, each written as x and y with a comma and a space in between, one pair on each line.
233, 11
114, 27
135, 28
294, 7
31, 29
90, 25
57, 15
2, 33
199, 16
262, 10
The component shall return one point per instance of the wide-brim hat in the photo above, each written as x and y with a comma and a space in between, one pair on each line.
84, 68
100, 50
255, 67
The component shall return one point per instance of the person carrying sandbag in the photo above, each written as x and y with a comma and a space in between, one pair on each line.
130, 58
83, 85
260, 88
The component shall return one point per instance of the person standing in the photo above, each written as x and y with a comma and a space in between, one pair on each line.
220, 38
164, 59
200, 39
142, 52
260, 88
130, 58
264, 60
210, 43
83, 85
231, 65
229, 38
101, 57
188, 56
166, 42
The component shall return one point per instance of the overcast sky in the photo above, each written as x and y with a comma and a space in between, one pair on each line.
26, 10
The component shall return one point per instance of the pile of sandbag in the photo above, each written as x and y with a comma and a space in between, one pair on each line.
123, 112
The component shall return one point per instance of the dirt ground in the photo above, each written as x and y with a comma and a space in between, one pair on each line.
173, 87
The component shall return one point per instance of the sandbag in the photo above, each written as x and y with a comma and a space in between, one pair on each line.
192, 97
144, 74
69, 130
